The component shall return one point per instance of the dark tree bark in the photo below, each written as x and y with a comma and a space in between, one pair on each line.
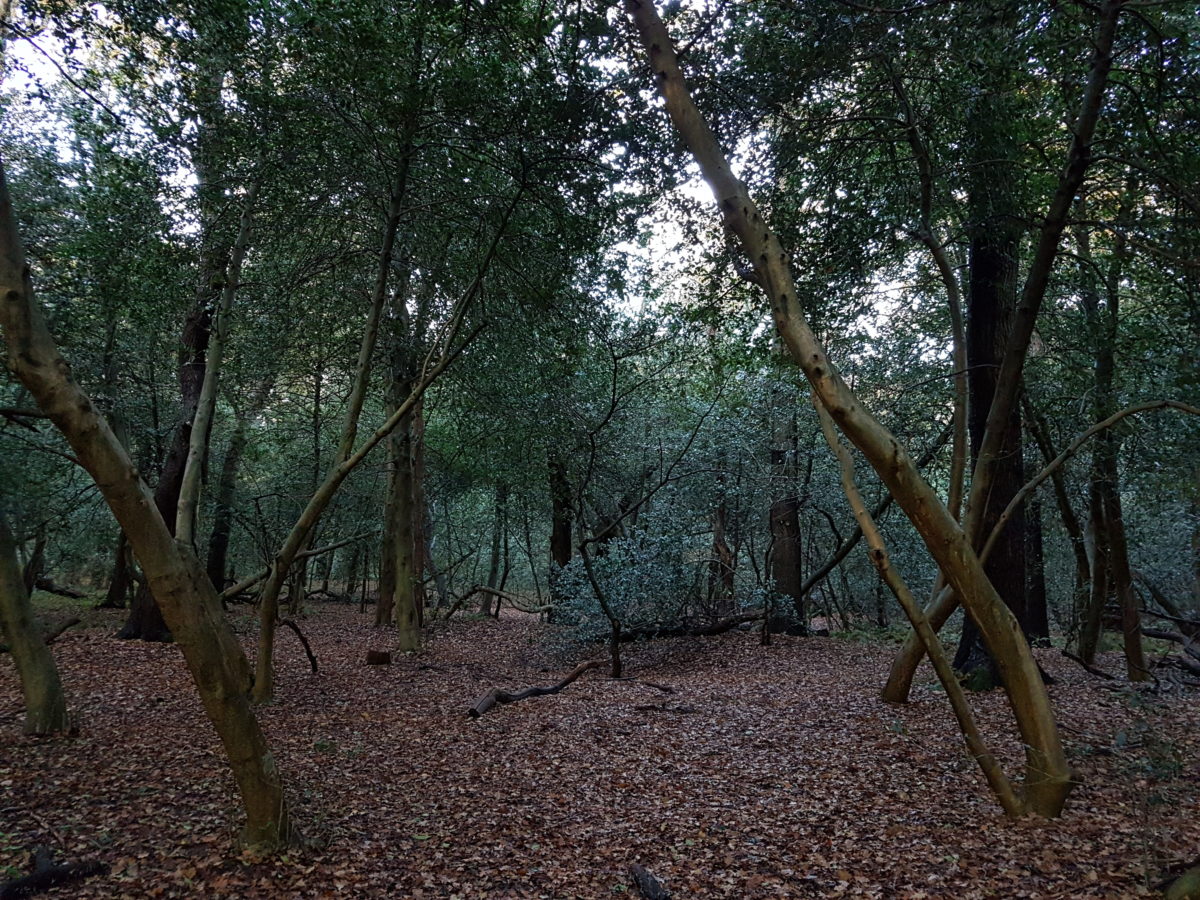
560, 523
1037, 622
994, 242
122, 578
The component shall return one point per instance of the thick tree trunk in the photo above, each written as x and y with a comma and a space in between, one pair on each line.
189, 604
786, 549
995, 236
45, 703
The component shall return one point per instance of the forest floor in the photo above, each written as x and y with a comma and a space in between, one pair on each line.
764, 772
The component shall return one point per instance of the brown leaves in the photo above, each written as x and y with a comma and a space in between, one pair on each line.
770, 772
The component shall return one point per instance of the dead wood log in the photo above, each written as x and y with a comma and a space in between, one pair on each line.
496, 696
46, 875
48, 585
1099, 673
513, 600
1175, 637
312, 659
1182, 663
648, 886
654, 632
52, 633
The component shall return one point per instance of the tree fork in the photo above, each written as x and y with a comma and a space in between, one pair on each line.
180, 588
1048, 779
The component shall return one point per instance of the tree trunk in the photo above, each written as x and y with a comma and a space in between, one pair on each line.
494, 558
45, 703
721, 566
222, 528
121, 581
178, 583
784, 517
560, 525
994, 241
407, 615
1037, 622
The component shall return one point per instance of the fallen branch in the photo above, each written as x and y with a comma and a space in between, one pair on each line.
54, 633
46, 875
496, 696
312, 660
653, 632
250, 581
1190, 627
513, 600
48, 585
1099, 673
648, 886
51, 634
1175, 637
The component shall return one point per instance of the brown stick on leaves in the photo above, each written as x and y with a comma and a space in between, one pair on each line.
496, 696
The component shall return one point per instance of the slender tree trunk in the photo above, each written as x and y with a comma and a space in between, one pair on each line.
407, 615
493, 579
1037, 621
45, 703
189, 604
217, 559
784, 518
560, 525
121, 581
721, 565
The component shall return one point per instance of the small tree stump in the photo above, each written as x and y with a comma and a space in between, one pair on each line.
379, 658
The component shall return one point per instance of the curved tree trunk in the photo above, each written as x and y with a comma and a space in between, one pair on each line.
189, 604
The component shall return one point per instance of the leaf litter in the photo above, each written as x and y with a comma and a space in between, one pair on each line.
765, 772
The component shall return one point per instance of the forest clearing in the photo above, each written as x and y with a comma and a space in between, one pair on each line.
560, 448
764, 772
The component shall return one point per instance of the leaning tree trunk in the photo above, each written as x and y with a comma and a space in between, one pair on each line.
1047, 780
178, 583
45, 703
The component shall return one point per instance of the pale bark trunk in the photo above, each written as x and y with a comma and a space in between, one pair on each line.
189, 604
45, 702
996, 778
206, 403
1047, 781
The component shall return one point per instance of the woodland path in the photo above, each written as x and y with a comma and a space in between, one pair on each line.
768, 772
